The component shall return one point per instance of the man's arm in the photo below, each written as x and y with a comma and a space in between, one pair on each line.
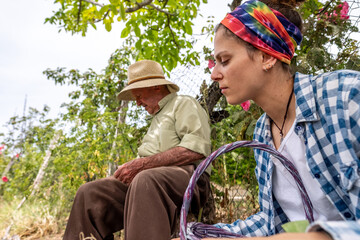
176, 156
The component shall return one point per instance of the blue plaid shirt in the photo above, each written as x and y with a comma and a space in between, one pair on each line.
328, 121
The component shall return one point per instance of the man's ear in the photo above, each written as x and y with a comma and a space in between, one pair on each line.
268, 61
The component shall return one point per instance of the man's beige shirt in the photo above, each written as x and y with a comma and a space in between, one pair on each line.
180, 122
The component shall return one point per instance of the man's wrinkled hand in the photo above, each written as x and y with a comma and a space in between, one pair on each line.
127, 171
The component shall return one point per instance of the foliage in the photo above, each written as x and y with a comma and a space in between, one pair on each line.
25, 145
95, 136
98, 138
161, 29
327, 44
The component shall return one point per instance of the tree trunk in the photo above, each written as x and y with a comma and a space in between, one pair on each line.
121, 119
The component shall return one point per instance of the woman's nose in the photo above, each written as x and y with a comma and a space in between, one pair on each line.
215, 74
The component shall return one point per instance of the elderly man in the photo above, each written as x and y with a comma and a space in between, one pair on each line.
145, 194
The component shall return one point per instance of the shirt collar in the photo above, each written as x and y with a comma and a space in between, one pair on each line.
305, 103
164, 101
305, 99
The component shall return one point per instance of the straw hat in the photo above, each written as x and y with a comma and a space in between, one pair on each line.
142, 74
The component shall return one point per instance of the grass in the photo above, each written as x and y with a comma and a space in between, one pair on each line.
38, 219
34, 220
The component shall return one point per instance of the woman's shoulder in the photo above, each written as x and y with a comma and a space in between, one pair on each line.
337, 80
329, 76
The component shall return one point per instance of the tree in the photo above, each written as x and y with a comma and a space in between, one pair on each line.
161, 29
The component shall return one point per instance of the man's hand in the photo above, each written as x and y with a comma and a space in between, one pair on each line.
176, 156
126, 172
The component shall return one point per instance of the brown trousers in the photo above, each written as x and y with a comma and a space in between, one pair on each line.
147, 209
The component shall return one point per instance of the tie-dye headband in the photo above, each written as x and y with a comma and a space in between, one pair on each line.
264, 28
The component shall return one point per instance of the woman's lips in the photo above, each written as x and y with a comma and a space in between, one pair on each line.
223, 89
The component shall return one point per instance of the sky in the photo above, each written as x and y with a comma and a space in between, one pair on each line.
28, 47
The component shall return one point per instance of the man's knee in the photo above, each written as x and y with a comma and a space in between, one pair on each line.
84, 190
145, 178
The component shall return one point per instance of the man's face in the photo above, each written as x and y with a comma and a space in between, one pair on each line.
148, 98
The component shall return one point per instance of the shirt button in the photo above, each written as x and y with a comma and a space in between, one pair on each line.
347, 215
317, 175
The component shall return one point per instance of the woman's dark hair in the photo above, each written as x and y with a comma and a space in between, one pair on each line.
287, 8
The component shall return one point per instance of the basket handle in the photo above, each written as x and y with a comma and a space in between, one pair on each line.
227, 148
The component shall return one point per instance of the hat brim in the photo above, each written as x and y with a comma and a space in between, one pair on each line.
125, 93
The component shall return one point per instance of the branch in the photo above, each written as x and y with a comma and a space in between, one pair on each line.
78, 16
94, 3
105, 15
165, 3
161, 10
325, 8
172, 33
133, 9
139, 5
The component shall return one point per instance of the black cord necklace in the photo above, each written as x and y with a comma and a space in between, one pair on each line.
282, 126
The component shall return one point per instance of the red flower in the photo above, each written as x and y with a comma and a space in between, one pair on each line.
2, 147
344, 11
5, 179
17, 155
211, 64
246, 105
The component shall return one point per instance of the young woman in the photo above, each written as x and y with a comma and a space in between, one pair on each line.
314, 121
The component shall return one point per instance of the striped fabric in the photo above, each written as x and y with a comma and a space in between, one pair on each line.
264, 28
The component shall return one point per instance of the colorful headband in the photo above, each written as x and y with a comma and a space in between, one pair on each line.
264, 28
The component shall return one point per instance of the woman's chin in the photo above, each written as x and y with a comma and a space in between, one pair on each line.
232, 101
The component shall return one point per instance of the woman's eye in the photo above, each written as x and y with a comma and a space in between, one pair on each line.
224, 62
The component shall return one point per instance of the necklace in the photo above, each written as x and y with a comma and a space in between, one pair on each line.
282, 126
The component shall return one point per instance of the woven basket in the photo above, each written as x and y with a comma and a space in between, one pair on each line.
203, 230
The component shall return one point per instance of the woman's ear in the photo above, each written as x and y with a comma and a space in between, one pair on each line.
268, 61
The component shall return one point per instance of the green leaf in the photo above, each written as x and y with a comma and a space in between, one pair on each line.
125, 32
188, 28
137, 30
104, 9
113, 9
93, 25
296, 226
108, 26
138, 44
122, 12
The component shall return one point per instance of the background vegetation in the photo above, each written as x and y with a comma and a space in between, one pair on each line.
43, 160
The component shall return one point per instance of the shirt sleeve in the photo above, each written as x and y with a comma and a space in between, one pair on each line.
192, 126
338, 230
341, 230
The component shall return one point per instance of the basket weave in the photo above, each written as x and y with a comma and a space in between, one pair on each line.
200, 230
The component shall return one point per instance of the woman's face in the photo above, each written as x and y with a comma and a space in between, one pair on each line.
234, 70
